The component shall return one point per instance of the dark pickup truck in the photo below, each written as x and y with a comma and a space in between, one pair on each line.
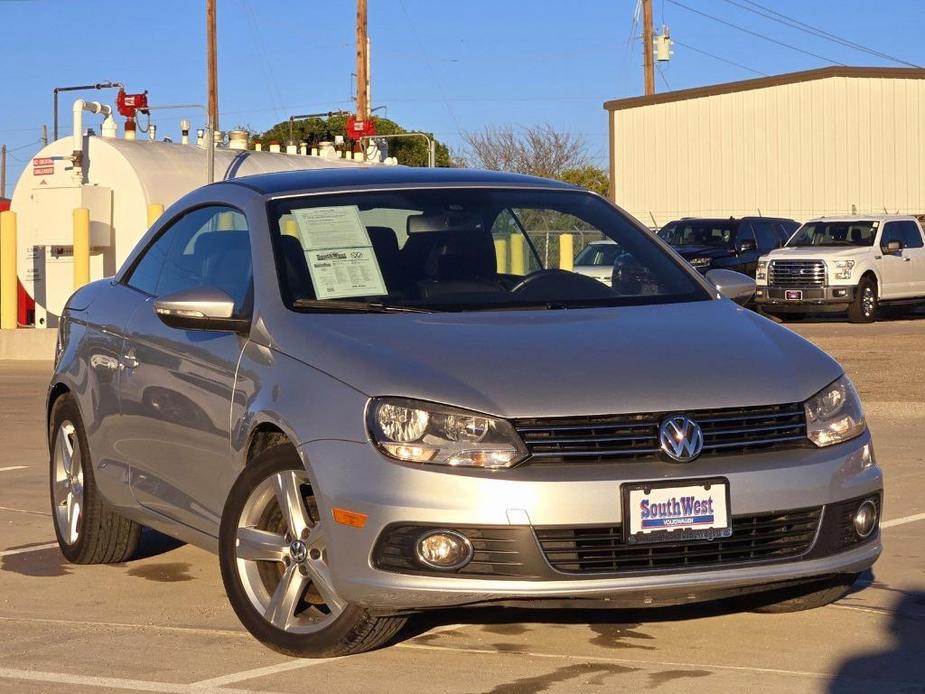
730, 244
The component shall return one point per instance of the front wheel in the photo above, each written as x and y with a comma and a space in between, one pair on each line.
274, 550
864, 307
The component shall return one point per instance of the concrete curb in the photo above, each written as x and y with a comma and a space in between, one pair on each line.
28, 343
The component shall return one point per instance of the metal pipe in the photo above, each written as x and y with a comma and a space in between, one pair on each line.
431, 146
77, 88
304, 116
78, 135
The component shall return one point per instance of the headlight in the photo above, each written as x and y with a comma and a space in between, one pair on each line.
422, 432
834, 414
700, 262
843, 269
762, 272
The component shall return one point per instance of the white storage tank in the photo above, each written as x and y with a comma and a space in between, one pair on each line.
118, 180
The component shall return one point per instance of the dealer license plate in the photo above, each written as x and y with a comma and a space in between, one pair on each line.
793, 294
672, 512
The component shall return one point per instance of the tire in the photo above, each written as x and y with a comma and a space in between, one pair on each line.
864, 307
88, 530
805, 597
284, 548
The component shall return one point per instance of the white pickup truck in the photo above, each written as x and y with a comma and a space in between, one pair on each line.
845, 263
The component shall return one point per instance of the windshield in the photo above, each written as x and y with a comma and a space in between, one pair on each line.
462, 249
598, 254
835, 234
699, 232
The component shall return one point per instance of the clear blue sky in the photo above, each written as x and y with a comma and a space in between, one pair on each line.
440, 65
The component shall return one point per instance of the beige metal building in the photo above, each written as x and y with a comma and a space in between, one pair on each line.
821, 142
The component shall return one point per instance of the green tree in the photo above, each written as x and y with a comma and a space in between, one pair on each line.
411, 151
594, 178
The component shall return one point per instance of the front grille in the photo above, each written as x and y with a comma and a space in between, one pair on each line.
796, 273
601, 549
631, 437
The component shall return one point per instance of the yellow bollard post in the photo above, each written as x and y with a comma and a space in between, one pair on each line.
155, 210
7, 270
290, 226
81, 247
226, 221
517, 254
501, 255
566, 251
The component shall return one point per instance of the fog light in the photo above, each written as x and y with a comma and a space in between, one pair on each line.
840, 292
444, 549
865, 519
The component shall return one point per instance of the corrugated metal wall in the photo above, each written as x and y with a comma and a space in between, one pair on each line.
801, 150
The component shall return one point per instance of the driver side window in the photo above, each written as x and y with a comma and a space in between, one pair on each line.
208, 247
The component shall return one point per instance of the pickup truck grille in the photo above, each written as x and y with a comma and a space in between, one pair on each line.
796, 273
629, 437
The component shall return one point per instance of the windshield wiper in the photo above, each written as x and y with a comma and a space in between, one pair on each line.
336, 306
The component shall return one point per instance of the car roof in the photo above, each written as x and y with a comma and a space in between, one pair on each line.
727, 220
866, 218
359, 177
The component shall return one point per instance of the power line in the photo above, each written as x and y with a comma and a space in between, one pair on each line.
786, 20
661, 73
721, 59
754, 33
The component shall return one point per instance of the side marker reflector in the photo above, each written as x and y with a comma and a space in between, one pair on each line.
351, 518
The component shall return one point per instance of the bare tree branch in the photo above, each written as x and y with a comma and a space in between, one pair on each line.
538, 150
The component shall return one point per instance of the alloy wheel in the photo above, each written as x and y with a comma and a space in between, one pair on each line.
868, 301
68, 482
281, 556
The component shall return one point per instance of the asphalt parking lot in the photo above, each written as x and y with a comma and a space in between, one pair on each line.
161, 622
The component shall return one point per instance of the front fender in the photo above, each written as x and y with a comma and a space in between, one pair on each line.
306, 404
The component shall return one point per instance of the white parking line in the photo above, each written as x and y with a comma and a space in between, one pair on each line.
106, 682
13, 467
902, 521
23, 510
260, 672
622, 661
131, 627
26, 550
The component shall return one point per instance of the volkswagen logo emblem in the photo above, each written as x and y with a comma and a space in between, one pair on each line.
680, 438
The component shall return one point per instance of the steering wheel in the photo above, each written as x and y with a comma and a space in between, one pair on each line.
545, 285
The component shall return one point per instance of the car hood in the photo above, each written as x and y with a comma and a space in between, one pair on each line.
700, 355
822, 252
689, 252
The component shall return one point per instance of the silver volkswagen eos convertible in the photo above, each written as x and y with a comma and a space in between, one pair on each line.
365, 392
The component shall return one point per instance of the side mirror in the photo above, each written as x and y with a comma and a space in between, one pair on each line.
892, 247
201, 308
746, 246
733, 285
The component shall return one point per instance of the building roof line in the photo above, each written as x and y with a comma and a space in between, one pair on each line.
765, 82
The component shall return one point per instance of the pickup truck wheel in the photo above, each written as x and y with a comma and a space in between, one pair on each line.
864, 307
273, 553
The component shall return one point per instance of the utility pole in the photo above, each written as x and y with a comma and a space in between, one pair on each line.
647, 61
3, 171
212, 65
362, 63
44, 136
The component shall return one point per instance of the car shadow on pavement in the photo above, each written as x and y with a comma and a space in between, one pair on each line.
152, 544
899, 667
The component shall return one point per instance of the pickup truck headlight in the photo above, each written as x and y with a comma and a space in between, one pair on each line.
762, 272
834, 414
414, 431
843, 269
700, 262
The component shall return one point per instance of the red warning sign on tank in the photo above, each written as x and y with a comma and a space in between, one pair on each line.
43, 166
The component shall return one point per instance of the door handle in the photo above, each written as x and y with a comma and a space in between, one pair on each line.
129, 361
908, 260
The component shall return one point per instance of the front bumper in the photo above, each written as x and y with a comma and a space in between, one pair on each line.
828, 298
355, 476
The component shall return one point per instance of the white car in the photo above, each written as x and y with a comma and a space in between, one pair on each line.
845, 263
596, 260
